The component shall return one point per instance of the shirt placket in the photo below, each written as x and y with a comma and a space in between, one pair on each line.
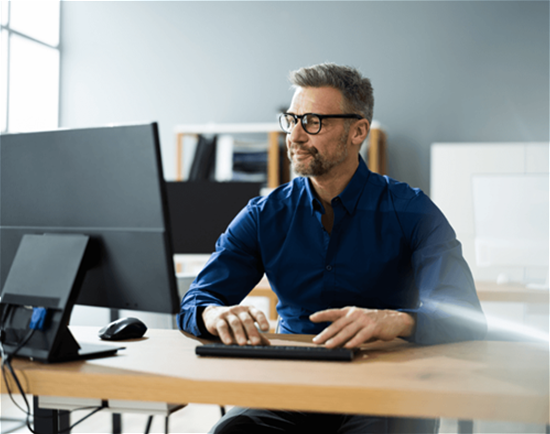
331, 251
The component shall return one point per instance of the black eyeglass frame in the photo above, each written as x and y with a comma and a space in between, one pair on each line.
321, 117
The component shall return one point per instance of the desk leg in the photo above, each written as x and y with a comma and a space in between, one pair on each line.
465, 427
48, 421
117, 423
64, 421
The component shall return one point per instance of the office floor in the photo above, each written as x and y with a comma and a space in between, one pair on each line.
199, 418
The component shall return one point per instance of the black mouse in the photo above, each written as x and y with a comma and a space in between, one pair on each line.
123, 328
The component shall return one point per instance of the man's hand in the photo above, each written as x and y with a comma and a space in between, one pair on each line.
352, 326
235, 324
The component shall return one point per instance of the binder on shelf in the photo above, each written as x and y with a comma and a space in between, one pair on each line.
204, 161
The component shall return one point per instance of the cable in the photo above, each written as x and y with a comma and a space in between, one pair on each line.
5, 375
6, 361
5, 313
148, 426
28, 412
83, 418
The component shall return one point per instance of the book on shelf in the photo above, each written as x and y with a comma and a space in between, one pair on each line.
204, 161
240, 160
250, 161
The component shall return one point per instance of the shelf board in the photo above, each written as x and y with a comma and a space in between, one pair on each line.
213, 128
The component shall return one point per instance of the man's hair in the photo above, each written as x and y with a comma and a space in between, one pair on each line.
356, 90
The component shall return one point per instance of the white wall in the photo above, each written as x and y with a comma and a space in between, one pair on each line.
441, 71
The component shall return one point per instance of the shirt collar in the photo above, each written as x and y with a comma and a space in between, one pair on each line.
312, 200
351, 194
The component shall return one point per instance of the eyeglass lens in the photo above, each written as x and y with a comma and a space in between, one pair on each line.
310, 122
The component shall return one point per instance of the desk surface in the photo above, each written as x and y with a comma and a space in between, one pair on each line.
469, 380
491, 291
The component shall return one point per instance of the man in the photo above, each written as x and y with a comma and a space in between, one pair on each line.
353, 256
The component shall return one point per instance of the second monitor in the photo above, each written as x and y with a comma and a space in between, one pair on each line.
201, 211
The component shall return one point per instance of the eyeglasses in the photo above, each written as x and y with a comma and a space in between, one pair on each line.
311, 122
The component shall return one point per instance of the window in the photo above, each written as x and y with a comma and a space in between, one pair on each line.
29, 65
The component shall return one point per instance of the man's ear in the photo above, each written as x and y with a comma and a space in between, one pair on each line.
359, 131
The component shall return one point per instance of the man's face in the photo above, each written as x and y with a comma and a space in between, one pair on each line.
317, 155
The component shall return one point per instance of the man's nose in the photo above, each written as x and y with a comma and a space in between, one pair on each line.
298, 134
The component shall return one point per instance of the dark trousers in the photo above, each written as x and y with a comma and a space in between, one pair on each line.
254, 421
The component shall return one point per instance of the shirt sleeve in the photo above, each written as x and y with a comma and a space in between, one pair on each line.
229, 275
448, 309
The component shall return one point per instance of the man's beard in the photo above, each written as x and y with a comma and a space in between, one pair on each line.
318, 165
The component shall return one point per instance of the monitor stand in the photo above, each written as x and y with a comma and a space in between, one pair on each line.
47, 272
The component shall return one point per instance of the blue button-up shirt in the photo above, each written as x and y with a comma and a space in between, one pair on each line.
390, 248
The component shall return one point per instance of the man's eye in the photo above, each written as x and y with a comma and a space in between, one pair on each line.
313, 121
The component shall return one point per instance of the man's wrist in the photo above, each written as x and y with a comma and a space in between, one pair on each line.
408, 322
200, 321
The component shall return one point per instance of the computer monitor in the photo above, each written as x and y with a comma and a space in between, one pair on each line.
105, 184
511, 223
200, 211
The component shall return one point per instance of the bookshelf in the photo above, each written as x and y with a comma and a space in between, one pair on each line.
275, 176
376, 147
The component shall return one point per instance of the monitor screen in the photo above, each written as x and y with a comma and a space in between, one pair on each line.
105, 183
201, 211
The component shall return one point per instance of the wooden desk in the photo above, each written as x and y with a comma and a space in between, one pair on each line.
472, 380
491, 291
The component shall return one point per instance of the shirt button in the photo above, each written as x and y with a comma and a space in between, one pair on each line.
329, 267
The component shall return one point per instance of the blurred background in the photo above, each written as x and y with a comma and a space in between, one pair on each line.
441, 71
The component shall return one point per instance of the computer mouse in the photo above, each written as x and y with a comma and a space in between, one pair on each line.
123, 328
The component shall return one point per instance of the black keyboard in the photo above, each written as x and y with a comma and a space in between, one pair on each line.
276, 352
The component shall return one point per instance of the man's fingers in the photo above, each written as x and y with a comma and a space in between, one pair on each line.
222, 330
237, 328
249, 327
260, 318
343, 336
327, 315
362, 336
236, 324
332, 330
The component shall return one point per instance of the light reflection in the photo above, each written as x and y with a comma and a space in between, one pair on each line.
495, 324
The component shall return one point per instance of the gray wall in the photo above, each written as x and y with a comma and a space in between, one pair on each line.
441, 71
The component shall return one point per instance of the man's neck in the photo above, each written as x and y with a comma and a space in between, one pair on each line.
328, 186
